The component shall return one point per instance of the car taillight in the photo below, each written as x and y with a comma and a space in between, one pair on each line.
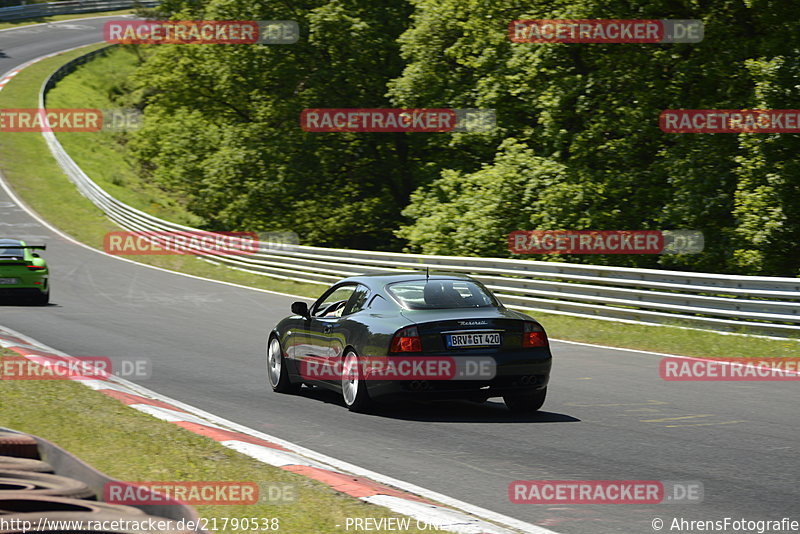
406, 340
36, 268
534, 336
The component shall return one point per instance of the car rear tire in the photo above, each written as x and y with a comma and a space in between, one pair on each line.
354, 388
277, 373
42, 299
526, 402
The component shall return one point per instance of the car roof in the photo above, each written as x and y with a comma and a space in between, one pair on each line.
379, 280
8, 241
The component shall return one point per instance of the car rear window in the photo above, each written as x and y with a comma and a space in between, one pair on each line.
10, 249
441, 294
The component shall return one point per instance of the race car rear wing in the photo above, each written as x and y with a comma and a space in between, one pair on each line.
32, 247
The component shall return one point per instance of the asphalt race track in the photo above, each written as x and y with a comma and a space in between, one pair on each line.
608, 417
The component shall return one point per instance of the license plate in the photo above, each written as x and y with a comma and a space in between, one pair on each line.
473, 340
9, 280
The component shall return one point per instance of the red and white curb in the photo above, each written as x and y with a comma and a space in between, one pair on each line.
7, 78
400, 497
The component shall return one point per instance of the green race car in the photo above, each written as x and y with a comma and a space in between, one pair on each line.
23, 273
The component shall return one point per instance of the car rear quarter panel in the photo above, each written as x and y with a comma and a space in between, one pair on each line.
370, 334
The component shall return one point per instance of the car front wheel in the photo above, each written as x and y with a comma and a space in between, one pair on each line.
528, 402
276, 369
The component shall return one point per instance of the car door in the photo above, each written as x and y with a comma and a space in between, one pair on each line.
340, 331
325, 314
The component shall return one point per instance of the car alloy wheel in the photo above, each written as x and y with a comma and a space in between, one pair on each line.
276, 370
354, 389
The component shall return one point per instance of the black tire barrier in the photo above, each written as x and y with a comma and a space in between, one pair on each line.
24, 464
18, 445
28, 493
45, 484
47, 523
24, 502
15, 485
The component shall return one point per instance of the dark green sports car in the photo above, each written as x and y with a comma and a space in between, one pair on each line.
23, 273
411, 335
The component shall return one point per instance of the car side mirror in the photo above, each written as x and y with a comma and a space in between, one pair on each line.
301, 308
35, 255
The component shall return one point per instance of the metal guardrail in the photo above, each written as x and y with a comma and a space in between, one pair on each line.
769, 305
35, 11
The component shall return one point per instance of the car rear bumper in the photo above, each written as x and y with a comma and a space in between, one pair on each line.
513, 376
433, 390
20, 291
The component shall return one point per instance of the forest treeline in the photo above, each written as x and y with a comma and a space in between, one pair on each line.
577, 143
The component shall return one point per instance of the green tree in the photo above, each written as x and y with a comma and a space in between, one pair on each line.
593, 110
223, 128
768, 194
577, 143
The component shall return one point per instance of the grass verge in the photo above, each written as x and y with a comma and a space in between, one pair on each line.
37, 178
102, 430
101, 154
57, 18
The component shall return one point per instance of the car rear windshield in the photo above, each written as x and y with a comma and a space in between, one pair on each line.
441, 294
10, 249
